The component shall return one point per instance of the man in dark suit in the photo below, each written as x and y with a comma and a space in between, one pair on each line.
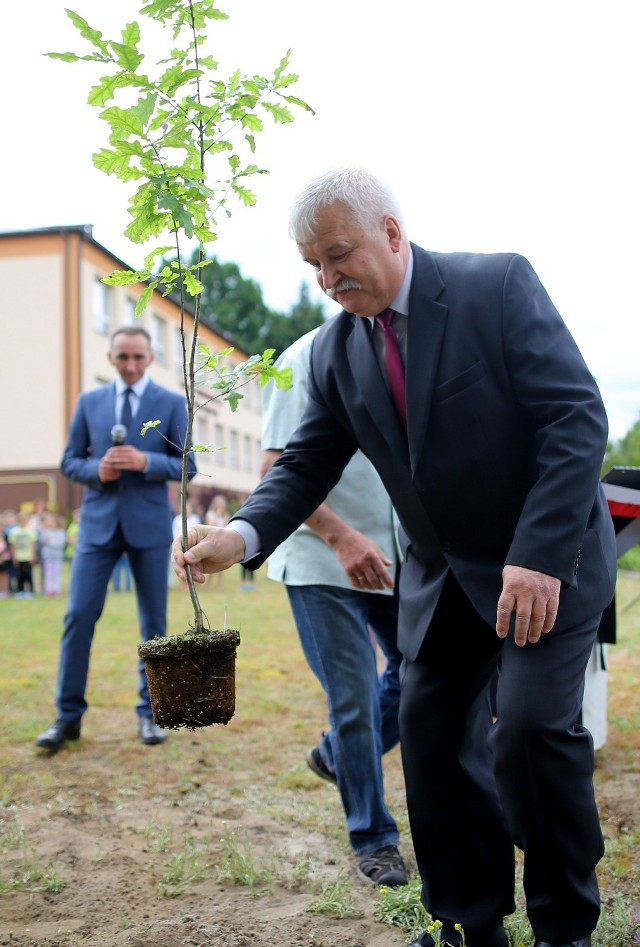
491, 453
125, 508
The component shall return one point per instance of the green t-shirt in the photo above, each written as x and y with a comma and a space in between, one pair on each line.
22, 540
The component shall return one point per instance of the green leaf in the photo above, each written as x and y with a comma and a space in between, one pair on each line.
123, 121
300, 103
143, 301
93, 36
126, 56
65, 57
150, 258
144, 107
148, 426
193, 285
131, 34
247, 197
106, 89
125, 277
114, 162
233, 399
279, 112
253, 122
282, 65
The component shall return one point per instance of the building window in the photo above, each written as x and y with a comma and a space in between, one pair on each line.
220, 455
158, 332
101, 306
200, 431
233, 450
177, 350
247, 453
129, 312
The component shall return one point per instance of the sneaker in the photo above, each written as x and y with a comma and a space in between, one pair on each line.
319, 767
383, 867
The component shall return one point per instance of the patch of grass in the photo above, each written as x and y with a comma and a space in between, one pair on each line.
238, 865
159, 836
618, 925
255, 764
184, 868
335, 900
402, 907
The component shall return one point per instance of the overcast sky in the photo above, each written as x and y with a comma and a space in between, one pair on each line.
501, 125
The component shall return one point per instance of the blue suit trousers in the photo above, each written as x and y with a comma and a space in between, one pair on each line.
91, 571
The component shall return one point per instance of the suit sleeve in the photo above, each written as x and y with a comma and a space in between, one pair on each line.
299, 481
563, 405
77, 461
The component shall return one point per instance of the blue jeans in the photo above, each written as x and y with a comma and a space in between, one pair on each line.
334, 627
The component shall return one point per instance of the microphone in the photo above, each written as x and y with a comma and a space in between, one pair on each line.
118, 434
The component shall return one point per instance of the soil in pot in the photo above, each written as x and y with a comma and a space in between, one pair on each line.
191, 677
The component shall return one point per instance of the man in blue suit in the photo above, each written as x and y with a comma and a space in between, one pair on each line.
125, 508
456, 376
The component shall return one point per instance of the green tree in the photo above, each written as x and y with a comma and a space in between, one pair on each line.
285, 328
233, 305
625, 452
179, 134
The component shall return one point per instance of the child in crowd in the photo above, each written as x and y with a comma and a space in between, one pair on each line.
23, 542
53, 541
5, 565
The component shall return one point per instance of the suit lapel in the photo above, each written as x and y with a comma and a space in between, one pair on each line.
144, 412
368, 377
425, 332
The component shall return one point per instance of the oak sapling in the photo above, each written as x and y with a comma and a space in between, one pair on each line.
179, 133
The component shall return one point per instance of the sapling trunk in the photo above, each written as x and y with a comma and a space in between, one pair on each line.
189, 379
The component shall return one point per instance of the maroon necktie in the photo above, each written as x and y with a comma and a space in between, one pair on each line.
393, 363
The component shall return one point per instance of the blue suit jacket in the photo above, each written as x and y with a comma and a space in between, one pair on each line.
506, 435
137, 502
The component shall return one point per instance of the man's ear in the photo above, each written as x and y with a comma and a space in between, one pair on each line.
393, 231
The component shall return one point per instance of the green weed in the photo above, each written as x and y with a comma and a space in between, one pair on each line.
402, 907
335, 900
184, 868
238, 865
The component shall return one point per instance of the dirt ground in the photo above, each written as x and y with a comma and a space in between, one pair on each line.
117, 821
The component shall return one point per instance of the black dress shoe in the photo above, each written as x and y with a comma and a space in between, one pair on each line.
58, 732
426, 940
493, 937
150, 732
583, 942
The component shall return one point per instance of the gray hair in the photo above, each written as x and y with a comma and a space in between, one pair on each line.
368, 199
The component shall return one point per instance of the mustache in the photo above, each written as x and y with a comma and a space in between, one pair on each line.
342, 286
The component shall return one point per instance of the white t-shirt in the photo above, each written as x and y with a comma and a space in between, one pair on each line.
359, 497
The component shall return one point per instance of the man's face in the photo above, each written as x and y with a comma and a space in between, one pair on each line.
131, 356
361, 271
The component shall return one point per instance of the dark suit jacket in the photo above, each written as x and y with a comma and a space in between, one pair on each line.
506, 434
137, 502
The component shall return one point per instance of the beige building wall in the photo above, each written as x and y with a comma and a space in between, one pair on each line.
30, 359
55, 324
